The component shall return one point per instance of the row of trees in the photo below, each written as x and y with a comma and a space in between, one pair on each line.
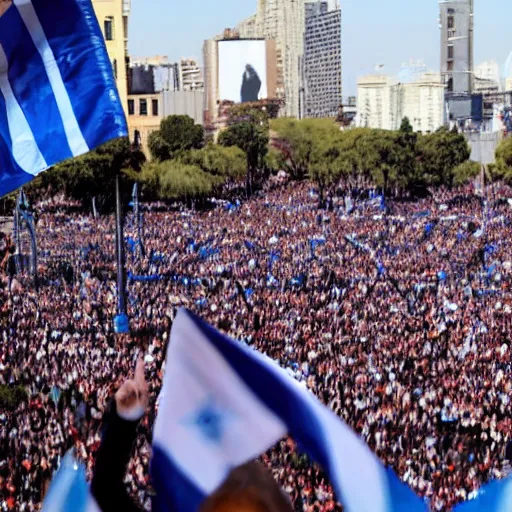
256, 144
398, 160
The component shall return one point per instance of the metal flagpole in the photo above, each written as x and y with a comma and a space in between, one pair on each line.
121, 323
138, 218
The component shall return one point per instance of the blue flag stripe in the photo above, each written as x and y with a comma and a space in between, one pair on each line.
174, 490
73, 33
43, 116
24, 149
74, 135
11, 174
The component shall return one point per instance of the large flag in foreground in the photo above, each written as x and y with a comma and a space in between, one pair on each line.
58, 97
69, 491
494, 497
223, 404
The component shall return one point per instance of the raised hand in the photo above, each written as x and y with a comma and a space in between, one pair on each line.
132, 398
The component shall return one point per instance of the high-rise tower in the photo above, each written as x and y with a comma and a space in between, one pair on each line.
322, 60
284, 22
457, 64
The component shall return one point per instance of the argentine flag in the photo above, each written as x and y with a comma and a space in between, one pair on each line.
223, 404
58, 97
69, 491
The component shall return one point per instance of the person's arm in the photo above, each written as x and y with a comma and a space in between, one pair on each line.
120, 432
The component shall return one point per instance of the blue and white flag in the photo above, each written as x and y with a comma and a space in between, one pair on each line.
223, 404
69, 491
495, 497
58, 97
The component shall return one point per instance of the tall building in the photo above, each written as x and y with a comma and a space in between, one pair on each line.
322, 61
284, 22
384, 101
508, 84
159, 88
456, 23
422, 102
376, 102
113, 19
489, 70
191, 75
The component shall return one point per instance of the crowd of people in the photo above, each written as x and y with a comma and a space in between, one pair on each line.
397, 317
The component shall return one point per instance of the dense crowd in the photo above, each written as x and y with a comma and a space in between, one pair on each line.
398, 320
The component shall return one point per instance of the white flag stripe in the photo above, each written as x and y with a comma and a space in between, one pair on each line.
74, 135
92, 506
355, 469
196, 373
505, 504
25, 151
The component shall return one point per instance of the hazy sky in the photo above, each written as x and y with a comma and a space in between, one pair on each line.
374, 31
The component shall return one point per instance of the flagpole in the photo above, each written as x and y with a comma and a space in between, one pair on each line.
121, 322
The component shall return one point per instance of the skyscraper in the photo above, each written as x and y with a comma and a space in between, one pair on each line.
113, 19
456, 22
322, 60
284, 22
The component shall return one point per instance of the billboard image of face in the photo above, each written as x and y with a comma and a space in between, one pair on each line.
242, 70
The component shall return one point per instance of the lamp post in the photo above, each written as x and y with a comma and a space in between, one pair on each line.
121, 323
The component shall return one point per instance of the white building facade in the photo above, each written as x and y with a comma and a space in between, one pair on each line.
383, 102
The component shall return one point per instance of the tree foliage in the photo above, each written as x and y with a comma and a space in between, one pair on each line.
465, 172
227, 162
94, 174
363, 158
253, 140
298, 140
176, 135
503, 167
12, 397
174, 179
440, 154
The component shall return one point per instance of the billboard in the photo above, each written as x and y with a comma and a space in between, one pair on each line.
243, 70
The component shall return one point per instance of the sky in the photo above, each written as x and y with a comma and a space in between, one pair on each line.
374, 32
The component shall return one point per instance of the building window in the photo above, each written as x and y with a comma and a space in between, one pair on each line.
109, 28
450, 52
136, 139
131, 107
155, 107
143, 107
450, 65
451, 22
114, 68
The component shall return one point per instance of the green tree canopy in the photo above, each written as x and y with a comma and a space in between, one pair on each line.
93, 174
440, 153
465, 172
174, 179
228, 162
503, 167
253, 140
176, 134
298, 140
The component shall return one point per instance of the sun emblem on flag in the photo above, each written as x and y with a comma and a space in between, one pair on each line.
210, 419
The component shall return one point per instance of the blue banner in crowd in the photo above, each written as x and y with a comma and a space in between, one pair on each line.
58, 97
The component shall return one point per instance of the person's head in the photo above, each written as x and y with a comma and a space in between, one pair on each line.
249, 488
